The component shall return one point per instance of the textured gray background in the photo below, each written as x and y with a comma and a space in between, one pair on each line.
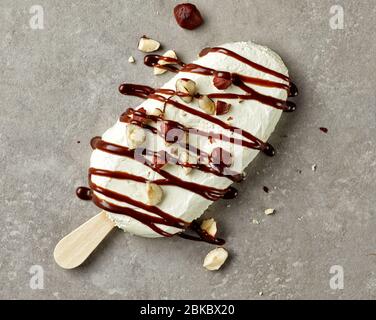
59, 85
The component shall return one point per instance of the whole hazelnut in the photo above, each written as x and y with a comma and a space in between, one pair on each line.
187, 16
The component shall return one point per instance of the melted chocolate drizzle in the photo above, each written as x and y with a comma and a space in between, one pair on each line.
156, 160
84, 193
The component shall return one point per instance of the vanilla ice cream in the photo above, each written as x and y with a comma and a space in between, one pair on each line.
250, 115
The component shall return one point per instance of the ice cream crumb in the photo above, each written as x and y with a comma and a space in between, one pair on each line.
131, 59
254, 221
314, 167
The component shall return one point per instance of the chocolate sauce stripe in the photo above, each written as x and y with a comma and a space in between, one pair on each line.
152, 222
209, 193
268, 100
102, 145
139, 216
252, 64
263, 82
205, 71
252, 95
173, 124
165, 218
259, 144
220, 95
238, 80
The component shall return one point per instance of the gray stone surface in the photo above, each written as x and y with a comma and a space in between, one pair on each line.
59, 86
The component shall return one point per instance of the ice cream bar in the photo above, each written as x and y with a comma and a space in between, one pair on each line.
166, 161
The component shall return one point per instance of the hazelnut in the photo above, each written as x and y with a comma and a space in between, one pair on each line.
185, 158
210, 226
188, 16
222, 108
148, 45
154, 193
215, 259
186, 87
207, 104
135, 136
168, 54
269, 212
222, 80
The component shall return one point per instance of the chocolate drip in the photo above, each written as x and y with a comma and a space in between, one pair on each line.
240, 80
144, 218
84, 193
257, 143
136, 90
161, 157
152, 60
150, 221
169, 220
93, 141
202, 235
139, 118
293, 91
252, 64
254, 144
209, 193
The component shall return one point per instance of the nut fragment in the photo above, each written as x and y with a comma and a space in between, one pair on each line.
154, 193
207, 104
215, 259
268, 212
210, 226
186, 87
184, 158
131, 59
222, 80
135, 136
148, 45
222, 108
155, 112
168, 54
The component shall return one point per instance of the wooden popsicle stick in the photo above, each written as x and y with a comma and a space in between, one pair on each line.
74, 248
